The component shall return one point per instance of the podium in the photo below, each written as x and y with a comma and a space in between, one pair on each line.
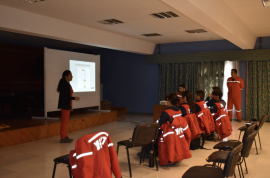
157, 111
105, 105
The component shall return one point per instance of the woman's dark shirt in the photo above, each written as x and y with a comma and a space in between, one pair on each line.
64, 96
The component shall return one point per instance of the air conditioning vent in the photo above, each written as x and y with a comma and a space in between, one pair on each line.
151, 34
196, 31
110, 22
32, 1
164, 15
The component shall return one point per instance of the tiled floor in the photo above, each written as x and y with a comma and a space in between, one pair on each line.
35, 159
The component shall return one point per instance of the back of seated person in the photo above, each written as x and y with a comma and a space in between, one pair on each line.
210, 101
199, 96
188, 106
217, 95
171, 110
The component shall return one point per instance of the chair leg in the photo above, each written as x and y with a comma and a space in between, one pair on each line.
129, 163
239, 171
256, 146
141, 155
69, 170
259, 139
239, 135
242, 170
234, 175
117, 148
154, 151
246, 165
54, 170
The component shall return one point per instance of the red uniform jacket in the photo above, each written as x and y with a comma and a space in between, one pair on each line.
192, 121
174, 141
235, 87
94, 157
209, 124
180, 97
222, 122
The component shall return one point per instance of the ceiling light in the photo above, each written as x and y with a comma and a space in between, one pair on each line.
32, 1
266, 3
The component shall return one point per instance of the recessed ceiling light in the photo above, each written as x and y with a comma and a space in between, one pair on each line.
266, 3
32, 1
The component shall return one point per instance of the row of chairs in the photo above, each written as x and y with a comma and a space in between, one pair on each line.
231, 153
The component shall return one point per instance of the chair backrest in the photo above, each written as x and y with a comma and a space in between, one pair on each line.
145, 134
247, 132
262, 121
248, 144
232, 160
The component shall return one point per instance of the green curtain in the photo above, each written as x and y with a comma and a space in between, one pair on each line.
195, 76
258, 101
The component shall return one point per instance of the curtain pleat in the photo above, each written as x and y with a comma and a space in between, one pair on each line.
258, 101
195, 76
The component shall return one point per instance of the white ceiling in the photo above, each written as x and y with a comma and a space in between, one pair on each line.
135, 14
253, 14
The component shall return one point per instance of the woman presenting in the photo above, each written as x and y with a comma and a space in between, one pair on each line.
65, 103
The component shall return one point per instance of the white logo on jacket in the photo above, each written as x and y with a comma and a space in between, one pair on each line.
179, 131
100, 142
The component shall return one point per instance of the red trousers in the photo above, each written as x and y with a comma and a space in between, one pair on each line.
64, 120
236, 101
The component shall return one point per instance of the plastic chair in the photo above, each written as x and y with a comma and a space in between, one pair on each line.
215, 171
62, 159
143, 135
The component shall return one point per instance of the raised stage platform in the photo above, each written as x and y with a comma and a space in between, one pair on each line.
24, 130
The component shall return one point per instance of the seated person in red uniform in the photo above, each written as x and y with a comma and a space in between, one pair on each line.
199, 96
207, 121
210, 100
216, 96
172, 102
188, 105
222, 121
182, 88
188, 109
174, 136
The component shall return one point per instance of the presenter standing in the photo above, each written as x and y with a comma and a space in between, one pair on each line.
235, 84
65, 103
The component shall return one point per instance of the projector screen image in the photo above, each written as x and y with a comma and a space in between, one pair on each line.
84, 79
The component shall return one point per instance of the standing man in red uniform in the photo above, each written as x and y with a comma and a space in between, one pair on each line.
182, 88
235, 84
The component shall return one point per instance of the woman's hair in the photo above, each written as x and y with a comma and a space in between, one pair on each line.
173, 98
63, 79
189, 97
200, 93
